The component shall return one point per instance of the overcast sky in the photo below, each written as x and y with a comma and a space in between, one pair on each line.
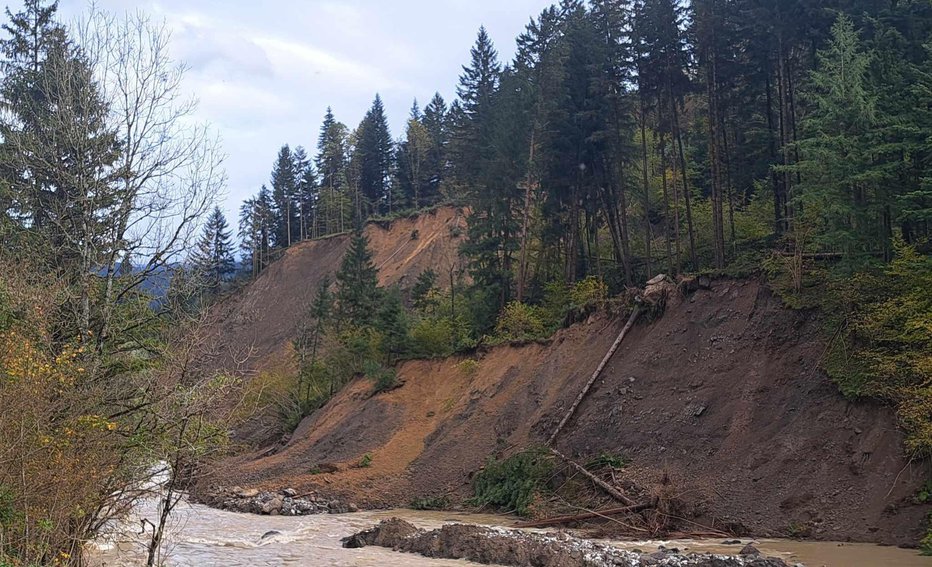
265, 72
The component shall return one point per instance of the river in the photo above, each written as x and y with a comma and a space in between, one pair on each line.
201, 536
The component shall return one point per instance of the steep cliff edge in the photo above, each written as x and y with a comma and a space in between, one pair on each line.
722, 392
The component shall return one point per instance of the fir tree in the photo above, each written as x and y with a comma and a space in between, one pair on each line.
212, 259
375, 152
357, 280
284, 192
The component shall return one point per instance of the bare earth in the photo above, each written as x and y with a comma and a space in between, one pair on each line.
723, 392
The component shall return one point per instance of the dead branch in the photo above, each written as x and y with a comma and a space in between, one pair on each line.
558, 520
595, 375
609, 489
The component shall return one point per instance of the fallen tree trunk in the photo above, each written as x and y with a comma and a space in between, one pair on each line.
609, 489
595, 375
558, 520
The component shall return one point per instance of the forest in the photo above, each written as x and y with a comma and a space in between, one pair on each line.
788, 139
630, 138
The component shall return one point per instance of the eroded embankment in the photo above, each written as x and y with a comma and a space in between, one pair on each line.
252, 329
723, 393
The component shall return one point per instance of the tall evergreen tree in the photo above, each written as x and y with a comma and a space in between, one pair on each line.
436, 123
332, 161
284, 193
375, 151
212, 259
357, 284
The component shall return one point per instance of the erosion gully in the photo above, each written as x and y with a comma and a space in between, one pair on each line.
203, 536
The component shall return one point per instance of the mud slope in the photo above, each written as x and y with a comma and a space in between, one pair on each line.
253, 328
723, 392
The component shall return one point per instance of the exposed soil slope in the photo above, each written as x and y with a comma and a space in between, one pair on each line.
253, 328
723, 391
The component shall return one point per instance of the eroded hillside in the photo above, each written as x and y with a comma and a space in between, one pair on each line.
252, 329
723, 392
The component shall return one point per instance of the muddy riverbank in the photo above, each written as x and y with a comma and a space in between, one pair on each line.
199, 536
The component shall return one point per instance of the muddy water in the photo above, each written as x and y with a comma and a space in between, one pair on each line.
201, 536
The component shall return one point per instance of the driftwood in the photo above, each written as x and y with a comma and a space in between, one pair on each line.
595, 375
608, 488
558, 520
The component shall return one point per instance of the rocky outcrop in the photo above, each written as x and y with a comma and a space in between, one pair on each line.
512, 547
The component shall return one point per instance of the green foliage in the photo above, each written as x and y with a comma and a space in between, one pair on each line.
430, 503
513, 484
357, 284
365, 462
520, 322
421, 291
884, 345
384, 379
607, 460
432, 337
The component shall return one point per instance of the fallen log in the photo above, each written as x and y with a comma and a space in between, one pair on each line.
558, 520
595, 375
609, 489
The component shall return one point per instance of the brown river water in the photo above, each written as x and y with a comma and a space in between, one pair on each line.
202, 536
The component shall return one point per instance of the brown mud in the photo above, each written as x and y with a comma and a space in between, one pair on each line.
723, 394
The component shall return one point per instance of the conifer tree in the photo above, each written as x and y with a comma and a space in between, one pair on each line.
375, 152
284, 192
412, 160
332, 161
212, 259
436, 123
357, 281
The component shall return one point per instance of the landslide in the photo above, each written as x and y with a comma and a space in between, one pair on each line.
251, 330
723, 393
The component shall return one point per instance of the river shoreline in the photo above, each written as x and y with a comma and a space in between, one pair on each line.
202, 535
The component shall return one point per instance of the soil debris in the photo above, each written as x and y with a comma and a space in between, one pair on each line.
500, 546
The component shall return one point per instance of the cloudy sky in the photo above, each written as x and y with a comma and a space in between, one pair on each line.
265, 72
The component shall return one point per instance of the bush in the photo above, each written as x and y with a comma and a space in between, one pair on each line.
432, 337
520, 322
385, 378
588, 291
513, 484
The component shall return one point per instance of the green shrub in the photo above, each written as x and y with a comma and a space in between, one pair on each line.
513, 484
432, 337
385, 378
607, 460
365, 462
588, 291
520, 322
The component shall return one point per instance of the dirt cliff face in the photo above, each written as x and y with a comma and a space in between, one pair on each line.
253, 328
723, 393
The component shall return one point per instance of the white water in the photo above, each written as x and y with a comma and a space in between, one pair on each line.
201, 536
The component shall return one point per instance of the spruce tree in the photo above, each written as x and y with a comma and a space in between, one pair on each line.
472, 133
212, 259
332, 162
436, 123
357, 280
375, 152
284, 192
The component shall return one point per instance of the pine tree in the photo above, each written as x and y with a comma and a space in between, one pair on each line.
212, 260
32, 35
284, 192
436, 168
473, 121
306, 193
412, 161
837, 156
375, 152
332, 162
357, 280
